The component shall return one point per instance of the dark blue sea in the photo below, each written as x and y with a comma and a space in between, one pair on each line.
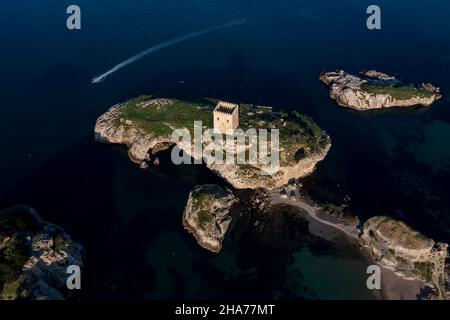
394, 163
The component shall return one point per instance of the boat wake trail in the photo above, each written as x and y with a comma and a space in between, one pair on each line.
160, 46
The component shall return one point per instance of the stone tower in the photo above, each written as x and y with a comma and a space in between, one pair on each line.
226, 117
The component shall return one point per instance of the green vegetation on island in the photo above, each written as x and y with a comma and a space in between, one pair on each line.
14, 250
397, 92
299, 135
165, 115
425, 270
202, 200
34, 256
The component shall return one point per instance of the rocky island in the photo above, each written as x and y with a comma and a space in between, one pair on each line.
408, 253
34, 256
145, 125
375, 90
207, 215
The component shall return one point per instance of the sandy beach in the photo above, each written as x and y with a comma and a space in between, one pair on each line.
393, 286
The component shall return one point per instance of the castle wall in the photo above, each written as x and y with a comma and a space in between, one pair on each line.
222, 122
235, 119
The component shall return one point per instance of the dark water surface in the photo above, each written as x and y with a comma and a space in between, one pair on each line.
129, 221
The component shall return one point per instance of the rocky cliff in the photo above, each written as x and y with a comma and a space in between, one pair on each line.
145, 125
207, 215
408, 253
34, 256
374, 90
113, 127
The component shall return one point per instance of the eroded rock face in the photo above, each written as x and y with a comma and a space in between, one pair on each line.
112, 128
247, 177
375, 90
34, 256
407, 252
207, 215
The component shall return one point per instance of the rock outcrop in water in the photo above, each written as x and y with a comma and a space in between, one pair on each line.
145, 126
34, 256
408, 253
207, 215
376, 90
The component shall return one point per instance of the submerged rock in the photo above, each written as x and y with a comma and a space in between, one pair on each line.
374, 90
34, 256
407, 252
207, 215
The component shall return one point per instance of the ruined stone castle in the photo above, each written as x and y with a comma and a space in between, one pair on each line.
226, 117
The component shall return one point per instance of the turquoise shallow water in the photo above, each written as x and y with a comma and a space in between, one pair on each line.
129, 221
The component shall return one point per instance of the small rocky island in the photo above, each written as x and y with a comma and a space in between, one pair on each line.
207, 215
408, 253
145, 125
375, 90
34, 256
